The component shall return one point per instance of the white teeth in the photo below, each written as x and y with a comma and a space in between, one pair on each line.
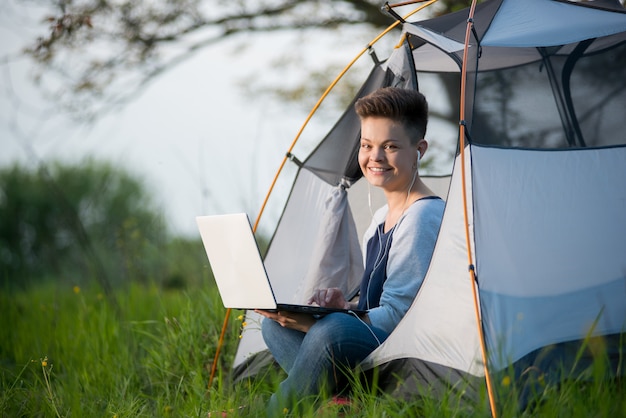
377, 169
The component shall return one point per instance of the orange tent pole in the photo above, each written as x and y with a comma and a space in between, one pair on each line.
220, 344
293, 144
472, 273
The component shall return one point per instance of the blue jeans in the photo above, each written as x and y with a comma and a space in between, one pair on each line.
314, 360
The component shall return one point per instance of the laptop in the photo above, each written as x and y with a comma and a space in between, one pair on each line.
238, 268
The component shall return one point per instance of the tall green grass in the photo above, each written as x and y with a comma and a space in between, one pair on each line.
67, 352
149, 358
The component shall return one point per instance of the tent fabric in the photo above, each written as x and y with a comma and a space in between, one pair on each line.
422, 378
510, 33
336, 258
531, 23
547, 275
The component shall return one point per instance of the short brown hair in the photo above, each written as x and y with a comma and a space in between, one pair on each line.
406, 106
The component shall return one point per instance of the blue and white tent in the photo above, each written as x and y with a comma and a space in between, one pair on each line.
539, 184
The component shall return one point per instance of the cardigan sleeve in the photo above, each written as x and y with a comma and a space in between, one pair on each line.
410, 253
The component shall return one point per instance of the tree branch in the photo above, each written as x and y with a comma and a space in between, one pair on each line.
104, 55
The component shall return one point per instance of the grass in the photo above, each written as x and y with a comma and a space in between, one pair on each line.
65, 352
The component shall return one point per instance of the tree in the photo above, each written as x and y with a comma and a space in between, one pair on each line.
74, 223
104, 52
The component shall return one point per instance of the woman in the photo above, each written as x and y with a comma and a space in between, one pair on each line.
398, 247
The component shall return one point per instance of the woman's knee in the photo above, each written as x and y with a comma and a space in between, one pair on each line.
341, 332
332, 331
334, 326
270, 330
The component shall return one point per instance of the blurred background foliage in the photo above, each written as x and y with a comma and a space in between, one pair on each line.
71, 223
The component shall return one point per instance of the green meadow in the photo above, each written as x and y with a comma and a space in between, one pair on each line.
145, 351
71, 351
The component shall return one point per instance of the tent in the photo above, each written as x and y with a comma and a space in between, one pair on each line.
530, 263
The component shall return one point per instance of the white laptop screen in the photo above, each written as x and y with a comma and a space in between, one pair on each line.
236, 261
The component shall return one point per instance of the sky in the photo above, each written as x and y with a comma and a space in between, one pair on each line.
193, 136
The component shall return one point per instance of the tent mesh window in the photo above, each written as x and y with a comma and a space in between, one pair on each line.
511, 108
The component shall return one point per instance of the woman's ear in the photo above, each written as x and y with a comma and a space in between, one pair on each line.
422, 146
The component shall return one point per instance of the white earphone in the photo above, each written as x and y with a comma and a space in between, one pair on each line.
417, 162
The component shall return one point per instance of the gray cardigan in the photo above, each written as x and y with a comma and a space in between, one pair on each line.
409, 256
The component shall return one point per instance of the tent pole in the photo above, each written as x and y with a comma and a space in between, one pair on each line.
293, 144
472, 273
220, 344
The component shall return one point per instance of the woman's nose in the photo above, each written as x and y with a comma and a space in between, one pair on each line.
376, 154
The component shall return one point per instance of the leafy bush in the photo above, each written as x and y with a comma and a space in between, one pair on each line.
76, 222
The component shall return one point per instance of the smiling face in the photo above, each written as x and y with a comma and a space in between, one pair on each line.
386, 155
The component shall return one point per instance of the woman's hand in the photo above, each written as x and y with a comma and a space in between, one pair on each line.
329, 298
297, 321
